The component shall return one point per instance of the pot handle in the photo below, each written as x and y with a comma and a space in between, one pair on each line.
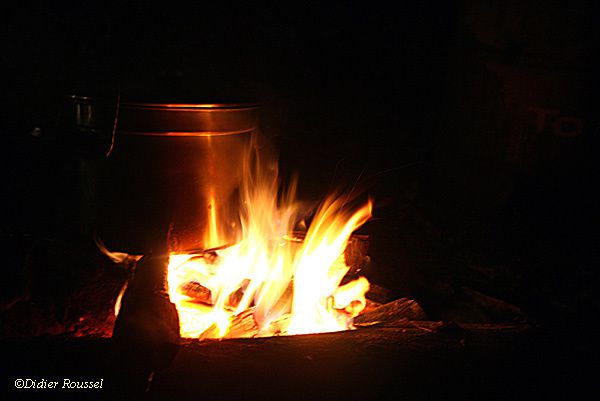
115, 122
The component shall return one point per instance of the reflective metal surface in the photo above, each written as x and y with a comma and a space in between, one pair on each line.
173, 173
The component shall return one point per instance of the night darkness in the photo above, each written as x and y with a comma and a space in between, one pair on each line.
474, 128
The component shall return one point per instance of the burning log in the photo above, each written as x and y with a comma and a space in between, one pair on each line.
392, 313
243, 325
355, 254
197, 292
203, 295
236, 297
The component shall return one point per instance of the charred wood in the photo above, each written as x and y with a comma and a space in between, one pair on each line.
146, 334
399, 311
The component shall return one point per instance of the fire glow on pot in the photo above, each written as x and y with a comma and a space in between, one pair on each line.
280, 284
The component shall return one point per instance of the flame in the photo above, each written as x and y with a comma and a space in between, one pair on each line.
291, 286
119, 299
213, 238
126, 260
119, 258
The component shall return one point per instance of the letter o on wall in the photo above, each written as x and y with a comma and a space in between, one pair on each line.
567, 127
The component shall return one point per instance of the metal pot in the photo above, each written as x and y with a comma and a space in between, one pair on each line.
171, 170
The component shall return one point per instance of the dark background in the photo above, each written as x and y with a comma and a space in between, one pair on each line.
473, 126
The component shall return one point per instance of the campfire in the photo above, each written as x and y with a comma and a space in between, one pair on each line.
219, 244
435, 243
276, 279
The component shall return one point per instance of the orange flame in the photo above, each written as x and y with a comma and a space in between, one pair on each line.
291, 286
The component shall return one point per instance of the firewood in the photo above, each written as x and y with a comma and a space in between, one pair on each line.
379, 294
495, 310
146, 333
211, 333
370, 306
197, 292
398, 311
147, 328
243, 325
236, 296
355, 253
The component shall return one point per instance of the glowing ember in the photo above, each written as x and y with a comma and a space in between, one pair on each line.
270, 283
